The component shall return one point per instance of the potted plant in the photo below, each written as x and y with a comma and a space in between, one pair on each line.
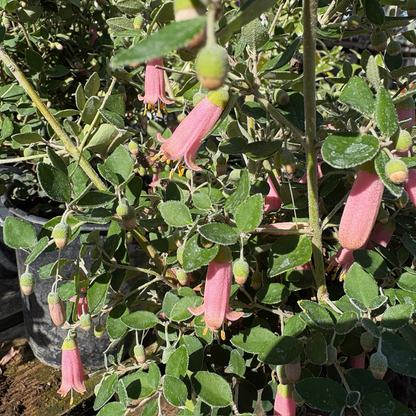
278, 226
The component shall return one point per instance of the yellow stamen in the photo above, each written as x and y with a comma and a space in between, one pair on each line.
205, 331
156, 156
222, 335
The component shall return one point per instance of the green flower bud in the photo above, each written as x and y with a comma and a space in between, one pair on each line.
293, 371
212, 66
403, 142
61, 233
138, 21
240, 271
378, 365
182, 116
282, 97
99, 330
133, 147
396, 170
353, 22
256, 280
379, 41
140, 354
368, 341
285, 159
393, 48
56, 309
332, 355
179, 253
182, 277
85, 321
28, 151
27, 283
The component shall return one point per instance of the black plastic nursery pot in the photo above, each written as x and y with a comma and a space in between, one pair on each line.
45, 339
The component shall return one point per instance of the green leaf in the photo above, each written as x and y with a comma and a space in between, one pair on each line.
160, 43
407, 281
379, 165
112, 118
272, 293
130, 6
120, 163
397, 316
174, 390
289, 252
372, 263
80, 98
294, 326
261, 150
140, 320
29, 14
376, 404
118, 24
201, 201
252, 340
90, 109
195, 352
362, 380
34, 60
359, 285
317, 313
234, 145
250, 213
37, 250
212, 389
219, 233
114, 323
113, 409
282, 350
346, 323
150, 408
92, 85
54, 182
103, 138
6, 128
18, 233
97, 293
321, 393
316, 349
96, 199
249, 11
385, 113
27, 138
178, 362
175, 213
237, 364
106, 391
56, 160
180, 310
400, 354
374, 11
240, 194
358, 95
348, 149
195, 255
283, 59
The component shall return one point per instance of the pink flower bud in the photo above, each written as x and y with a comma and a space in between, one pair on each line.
360, 212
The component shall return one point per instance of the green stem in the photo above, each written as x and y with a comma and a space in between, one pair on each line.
147, 247
309, 50
69, 146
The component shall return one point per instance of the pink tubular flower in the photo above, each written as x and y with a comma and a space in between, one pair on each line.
82, 303
410, 185
272, 200
217, 293
381, 234
358, 362
187, 137
72, 374
284, 405
361, 210
154, 87
343, 260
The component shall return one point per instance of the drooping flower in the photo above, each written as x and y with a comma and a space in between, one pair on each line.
187, 137
284, 405
381, 234
272, 200
343, 260
361, 210
72, 373
217, 292
358, 361
82, 303
154, 87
